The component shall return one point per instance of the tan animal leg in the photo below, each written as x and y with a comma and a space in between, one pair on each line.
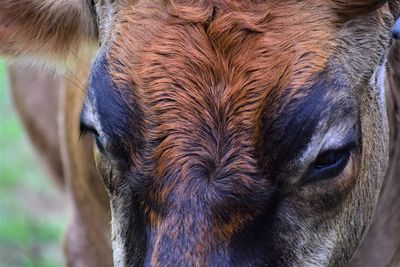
49, 109
32, 88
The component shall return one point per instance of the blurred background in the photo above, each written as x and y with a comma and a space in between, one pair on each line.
32, 208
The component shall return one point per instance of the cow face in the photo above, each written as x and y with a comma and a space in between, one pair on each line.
239, 133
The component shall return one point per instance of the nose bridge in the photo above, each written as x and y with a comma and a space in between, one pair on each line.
185, 237
200, 216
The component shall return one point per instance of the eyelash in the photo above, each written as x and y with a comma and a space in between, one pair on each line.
86, 130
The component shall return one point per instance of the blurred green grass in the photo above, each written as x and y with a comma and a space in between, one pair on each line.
32, 213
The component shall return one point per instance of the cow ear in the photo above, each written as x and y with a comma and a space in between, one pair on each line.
45, 27
358, 7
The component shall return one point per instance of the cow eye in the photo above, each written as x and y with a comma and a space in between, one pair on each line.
329, 164
85, 129
330, 159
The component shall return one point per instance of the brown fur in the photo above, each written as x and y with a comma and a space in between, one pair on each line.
236, 46
357, 7
215, 44
231, 64
59, 26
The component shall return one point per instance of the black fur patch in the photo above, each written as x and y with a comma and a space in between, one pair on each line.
119, 117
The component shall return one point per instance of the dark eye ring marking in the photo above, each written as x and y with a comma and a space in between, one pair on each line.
329, 164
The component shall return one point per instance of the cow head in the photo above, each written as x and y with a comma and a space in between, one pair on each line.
238, 133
